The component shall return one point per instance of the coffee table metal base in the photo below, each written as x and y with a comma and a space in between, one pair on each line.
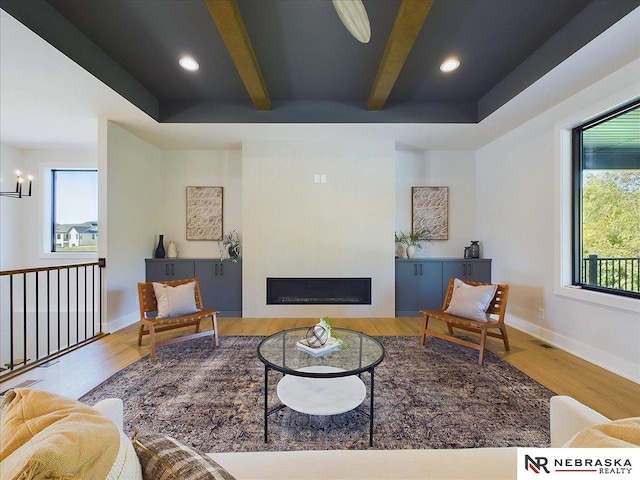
269, 411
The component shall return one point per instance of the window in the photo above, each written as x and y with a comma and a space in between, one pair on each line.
606, 203
74, 210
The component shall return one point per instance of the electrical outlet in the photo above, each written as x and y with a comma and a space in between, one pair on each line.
541, 313
316, 178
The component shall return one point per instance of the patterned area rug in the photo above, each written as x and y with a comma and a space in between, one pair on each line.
435, 396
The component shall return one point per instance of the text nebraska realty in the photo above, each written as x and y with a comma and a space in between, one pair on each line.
606, 466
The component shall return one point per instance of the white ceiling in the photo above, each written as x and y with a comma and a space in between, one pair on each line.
48, 101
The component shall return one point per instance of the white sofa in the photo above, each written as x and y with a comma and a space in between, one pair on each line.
568, 417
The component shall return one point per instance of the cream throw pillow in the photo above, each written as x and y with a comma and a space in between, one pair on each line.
175, 301
44, 435
469, 301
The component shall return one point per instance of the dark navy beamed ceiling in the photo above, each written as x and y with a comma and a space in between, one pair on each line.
314, 71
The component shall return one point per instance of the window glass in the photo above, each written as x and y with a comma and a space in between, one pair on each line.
74, 211
607, 203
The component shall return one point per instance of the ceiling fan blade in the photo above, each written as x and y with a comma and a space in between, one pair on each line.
354, 16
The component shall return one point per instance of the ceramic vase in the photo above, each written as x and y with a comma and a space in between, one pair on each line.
160, 248
475, 249
411, 251
172, 251
234, 251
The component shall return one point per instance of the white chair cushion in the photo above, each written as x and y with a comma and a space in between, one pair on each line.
469, 301
175, 301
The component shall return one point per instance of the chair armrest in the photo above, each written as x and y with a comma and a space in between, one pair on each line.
113, 409
568, 417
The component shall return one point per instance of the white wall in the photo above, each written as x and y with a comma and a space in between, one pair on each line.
182, 168
453, 169
130, 211
30, 217
11, 210
294, 227
519, 200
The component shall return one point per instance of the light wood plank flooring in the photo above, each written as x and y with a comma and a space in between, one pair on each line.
79, 371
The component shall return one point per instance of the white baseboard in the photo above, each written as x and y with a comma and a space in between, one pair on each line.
116, 324
602, 359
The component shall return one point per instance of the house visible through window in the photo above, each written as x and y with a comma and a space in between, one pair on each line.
74, 205
606, 203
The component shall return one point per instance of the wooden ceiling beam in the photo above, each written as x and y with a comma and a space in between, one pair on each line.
226, 15
411, 16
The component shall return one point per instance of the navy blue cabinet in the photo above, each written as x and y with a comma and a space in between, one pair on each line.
422, 283
162, 269
221, 286
418, 285
220, 280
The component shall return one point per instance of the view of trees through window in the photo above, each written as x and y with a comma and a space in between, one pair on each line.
607, 177
75, 211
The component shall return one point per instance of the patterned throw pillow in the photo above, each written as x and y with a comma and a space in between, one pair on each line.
164, 458
175, 301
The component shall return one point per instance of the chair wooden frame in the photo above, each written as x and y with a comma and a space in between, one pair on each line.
150, 325
496, 310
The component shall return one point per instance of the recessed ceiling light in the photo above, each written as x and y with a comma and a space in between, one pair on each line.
450, 65
189, 63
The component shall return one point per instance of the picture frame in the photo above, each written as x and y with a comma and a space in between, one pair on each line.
430, 210
204, 213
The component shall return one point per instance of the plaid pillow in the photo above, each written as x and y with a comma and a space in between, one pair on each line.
164, 458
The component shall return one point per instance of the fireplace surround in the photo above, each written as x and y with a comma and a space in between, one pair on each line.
318, 291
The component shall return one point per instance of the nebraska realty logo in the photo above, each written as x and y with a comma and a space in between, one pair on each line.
580, 463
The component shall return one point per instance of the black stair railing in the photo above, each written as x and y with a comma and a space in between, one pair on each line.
46, 312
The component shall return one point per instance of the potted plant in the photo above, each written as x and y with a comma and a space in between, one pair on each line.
413, 240
230, 242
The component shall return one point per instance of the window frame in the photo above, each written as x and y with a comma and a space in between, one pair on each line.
47, 232
577, 169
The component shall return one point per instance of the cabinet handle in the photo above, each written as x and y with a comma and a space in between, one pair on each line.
221, 269
420, 269
173, 269
215, 269
415, 269
471, 269
166, 269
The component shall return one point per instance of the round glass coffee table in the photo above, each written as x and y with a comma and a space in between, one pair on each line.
316, 382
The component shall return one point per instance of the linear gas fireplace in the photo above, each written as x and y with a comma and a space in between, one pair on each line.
318, 291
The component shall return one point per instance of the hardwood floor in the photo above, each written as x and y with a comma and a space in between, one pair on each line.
81, 370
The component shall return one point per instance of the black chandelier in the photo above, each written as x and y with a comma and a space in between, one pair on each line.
19, 183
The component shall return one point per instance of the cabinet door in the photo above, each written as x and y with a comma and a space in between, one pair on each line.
206, 272
406, 289
479, 271
230, 288
429, 285
221, 286
157, 271
474, 270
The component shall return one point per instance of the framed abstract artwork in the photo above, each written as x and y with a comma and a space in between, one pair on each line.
430, 210
204, 213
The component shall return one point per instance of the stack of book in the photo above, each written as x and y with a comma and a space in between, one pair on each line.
329, 346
